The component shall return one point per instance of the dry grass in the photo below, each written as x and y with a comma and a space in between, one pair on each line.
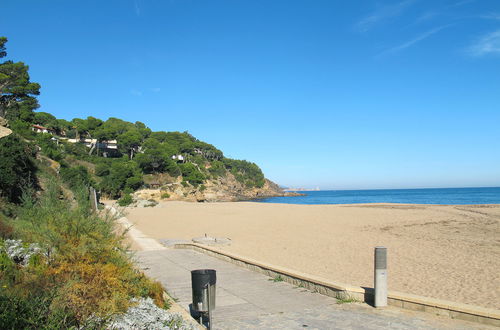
84, 273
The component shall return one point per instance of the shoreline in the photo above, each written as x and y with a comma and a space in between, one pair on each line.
377, 189
449, 252
256, 200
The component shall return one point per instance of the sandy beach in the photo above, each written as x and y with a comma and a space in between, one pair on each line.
444, 252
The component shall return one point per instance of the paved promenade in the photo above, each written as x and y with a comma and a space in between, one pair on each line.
249, 300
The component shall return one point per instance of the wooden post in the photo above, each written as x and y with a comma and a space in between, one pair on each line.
93, 199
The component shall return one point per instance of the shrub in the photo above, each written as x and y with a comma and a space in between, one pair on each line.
102, 169
151, 203
245, 172
172, 168
22, 128
192, 174
89, 277
77, 149
217, 169
125, 200
17, 170
6, 230
122, 174
76, 176
6, 211
18, 311
134, 182
165, 195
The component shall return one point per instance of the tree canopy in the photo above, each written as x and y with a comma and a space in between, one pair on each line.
17, 170
17, 92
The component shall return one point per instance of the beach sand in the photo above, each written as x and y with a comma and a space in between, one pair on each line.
444, 252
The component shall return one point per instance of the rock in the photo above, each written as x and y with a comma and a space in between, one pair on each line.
146, 315
222, 189
3, 121
146, 203
293, 194
20, 253
4, 131
147, 194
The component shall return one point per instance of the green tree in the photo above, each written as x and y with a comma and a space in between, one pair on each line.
192, 174
102, 168
182, 142
22, 128
122, 175
17, 170
17, 92
112, 128
156, 157
129, 142
159, 136
207, 150
245, 172
63, 127
86, 127
49, 146
45, 119
143, 129
77, 176
217, 169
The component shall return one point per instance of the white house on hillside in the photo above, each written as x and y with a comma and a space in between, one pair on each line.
111, 144
178, 157
40, 129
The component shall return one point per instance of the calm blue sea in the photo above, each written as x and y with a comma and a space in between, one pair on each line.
407, 196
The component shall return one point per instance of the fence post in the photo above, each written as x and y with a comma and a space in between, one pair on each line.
93, 199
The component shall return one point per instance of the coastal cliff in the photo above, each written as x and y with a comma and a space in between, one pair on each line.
129, 162
222, 189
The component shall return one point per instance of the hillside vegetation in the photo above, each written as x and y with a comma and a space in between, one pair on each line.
115, 155
140, 153
62, 264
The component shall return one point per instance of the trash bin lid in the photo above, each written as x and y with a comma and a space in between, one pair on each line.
201, 277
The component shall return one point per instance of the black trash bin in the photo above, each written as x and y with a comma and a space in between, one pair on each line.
200, 280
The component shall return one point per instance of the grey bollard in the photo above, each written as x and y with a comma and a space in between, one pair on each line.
380, 276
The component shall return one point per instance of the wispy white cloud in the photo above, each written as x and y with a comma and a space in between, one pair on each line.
486, 45
381, 14
415, 40
461, 3
136, 92
156, 89
426, 17
493, 16
137, 8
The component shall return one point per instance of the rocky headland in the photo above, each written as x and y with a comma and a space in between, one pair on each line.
222, 189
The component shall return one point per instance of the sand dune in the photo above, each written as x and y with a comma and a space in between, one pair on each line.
445, 252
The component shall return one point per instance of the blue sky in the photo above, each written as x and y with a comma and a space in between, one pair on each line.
335, 94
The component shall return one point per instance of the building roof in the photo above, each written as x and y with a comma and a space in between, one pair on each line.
40, 127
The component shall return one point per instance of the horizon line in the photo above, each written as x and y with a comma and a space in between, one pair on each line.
329, 189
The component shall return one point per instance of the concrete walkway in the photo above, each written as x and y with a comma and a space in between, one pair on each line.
249, 300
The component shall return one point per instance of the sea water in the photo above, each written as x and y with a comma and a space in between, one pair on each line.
443, 196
